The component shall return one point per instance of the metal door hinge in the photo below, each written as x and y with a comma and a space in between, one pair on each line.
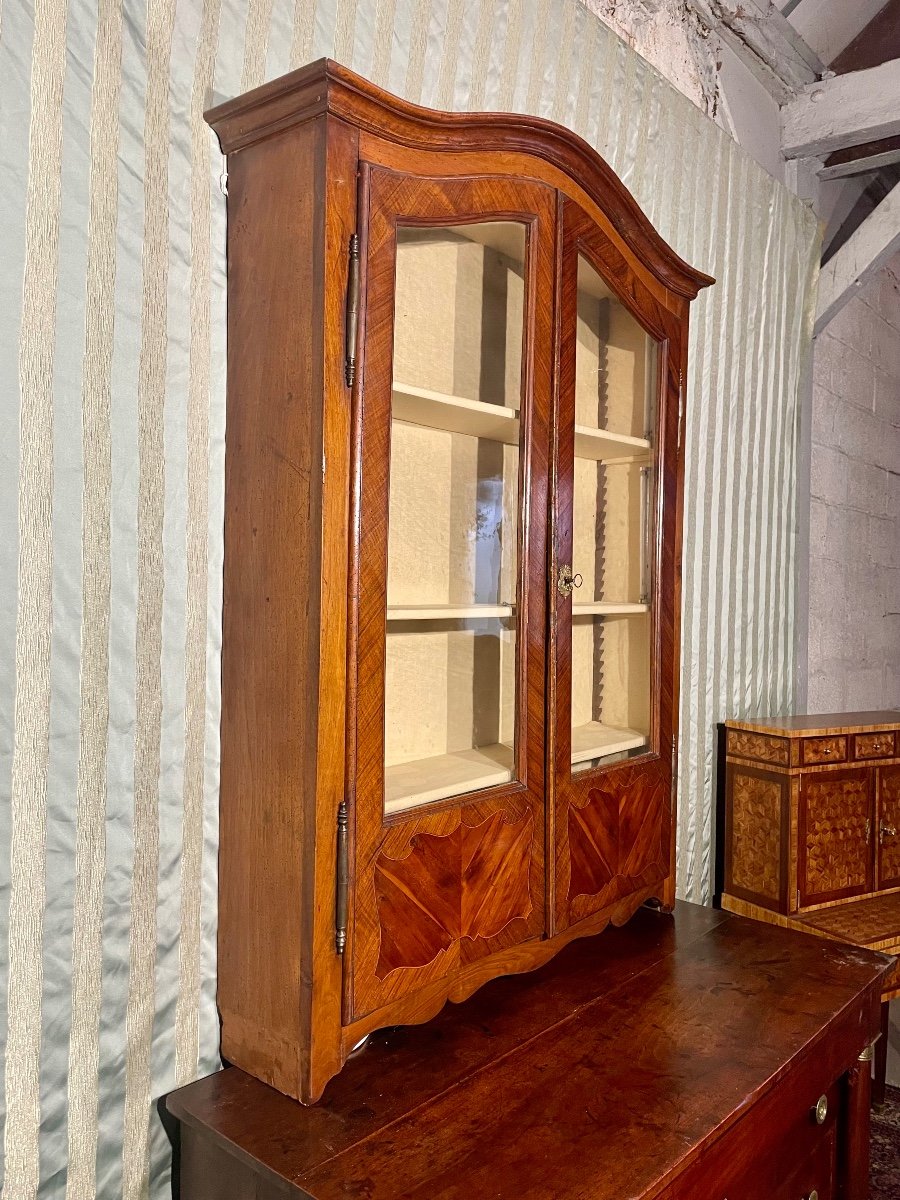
352, 311
342, 887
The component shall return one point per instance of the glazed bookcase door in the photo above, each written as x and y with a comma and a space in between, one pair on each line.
612, 599
452, 419
888, 827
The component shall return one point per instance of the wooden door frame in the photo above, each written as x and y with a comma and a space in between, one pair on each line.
642, 784
373, 981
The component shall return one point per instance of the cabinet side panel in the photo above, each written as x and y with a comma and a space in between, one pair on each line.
756, 849
273, 498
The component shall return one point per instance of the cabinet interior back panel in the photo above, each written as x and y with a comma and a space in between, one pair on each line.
452, 519
613, 361
458, 316
450, 686
606, 549
611, 671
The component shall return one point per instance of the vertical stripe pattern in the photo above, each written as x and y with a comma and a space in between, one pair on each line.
187, 1005
90, 812
31, 686
135, 964
150, 580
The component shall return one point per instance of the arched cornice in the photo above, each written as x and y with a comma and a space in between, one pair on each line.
327, 87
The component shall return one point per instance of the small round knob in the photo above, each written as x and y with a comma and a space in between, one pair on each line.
827, 750
813, 1195
820, 1112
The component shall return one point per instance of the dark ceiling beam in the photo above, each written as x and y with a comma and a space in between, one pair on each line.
877, 43
856, 160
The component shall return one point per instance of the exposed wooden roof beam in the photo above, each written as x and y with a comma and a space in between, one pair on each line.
857, 159
765, 40
865, 253
845, 110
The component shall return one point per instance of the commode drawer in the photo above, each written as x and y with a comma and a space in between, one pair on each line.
823, 750
873, 745
814, 1179
757, 1160
742, 743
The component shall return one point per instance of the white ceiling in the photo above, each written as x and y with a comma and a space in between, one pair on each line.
828, 26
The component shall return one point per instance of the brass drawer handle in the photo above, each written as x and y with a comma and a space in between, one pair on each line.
567, 581
886, 830
826, 749
813, 1195
820, 1112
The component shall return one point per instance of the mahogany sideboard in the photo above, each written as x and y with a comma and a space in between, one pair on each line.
812, 831
690, 1058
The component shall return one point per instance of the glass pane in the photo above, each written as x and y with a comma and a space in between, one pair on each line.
450, 703
615, 362
615, 420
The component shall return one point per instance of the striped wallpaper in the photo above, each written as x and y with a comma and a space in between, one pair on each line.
112, 318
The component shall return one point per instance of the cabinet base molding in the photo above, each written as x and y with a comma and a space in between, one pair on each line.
517, 959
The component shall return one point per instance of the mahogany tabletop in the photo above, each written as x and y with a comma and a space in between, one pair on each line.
618, 1062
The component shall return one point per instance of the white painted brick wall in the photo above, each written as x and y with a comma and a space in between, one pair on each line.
854, 518
854, 530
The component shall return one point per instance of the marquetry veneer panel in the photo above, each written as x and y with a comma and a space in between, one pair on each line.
756, 834
755, 745
873, 745
618, 841
835, 828
470, 884
823, 750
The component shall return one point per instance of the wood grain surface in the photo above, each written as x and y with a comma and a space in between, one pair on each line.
611, 1074
888, 865
824, 724
836, 828
326, 86
445, 898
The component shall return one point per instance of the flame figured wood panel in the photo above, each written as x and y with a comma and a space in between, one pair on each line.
835, 833
889, 827
756, 837
618, 841
471, 883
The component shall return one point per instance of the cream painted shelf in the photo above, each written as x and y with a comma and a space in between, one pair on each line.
600, 445
447, 612
608, 610
455, 414
409, 784
595, 740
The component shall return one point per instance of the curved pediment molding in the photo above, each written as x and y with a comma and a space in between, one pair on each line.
327, 87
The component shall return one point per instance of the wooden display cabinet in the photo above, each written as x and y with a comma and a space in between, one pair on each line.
455, 396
